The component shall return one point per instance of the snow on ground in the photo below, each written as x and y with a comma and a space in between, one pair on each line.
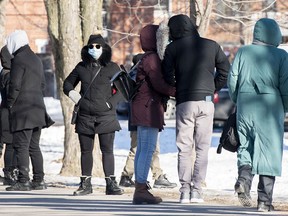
222, 169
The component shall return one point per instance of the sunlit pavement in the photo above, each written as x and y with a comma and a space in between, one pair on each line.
59, 201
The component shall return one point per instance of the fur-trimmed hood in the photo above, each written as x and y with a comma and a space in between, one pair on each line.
162, 37
104, 59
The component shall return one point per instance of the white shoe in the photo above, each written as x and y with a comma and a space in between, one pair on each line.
185, 198
196, 197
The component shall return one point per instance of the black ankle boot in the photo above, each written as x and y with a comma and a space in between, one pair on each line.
20, 186
38, 185
126, 181
85, 186
112, 187
10, 175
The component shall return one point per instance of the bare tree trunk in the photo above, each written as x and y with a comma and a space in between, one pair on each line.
65, 35
193, 11
91, 17
204, 13
68, 28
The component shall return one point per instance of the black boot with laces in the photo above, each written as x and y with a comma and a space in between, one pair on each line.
85, 186
112, 187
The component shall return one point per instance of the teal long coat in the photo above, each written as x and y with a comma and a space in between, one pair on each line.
258, 84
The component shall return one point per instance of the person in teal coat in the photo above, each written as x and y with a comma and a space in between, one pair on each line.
258, 84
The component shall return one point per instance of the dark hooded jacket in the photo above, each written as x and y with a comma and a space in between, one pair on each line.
26, 91
5, 134
95, 116
190, 61
147, 107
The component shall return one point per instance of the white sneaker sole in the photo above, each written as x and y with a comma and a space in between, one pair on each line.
195, 200
185, 201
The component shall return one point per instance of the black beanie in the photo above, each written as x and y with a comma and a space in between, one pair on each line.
97, 39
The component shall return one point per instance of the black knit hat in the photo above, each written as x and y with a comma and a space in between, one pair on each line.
98, 39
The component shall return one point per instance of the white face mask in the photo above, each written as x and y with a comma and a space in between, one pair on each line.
95, 53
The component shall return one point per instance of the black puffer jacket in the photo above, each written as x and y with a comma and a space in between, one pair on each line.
94, 114
190, 60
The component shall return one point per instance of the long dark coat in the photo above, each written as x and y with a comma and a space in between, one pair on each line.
26, 90
147, 107
95, 117
5, 134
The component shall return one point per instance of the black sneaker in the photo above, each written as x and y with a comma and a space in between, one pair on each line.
126, 181
38, 185
243, 196
20, 186
163, 182
262, 207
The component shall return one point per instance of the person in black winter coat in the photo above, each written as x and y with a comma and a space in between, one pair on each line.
27, 111
189, 63
10, 164
97, 112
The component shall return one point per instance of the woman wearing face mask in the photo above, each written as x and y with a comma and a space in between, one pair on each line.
97, 113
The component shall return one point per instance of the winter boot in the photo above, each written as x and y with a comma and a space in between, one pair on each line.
85, 186
126, 181
38, 185
243, 185
112, 187
163, 182
10, 177
20, 186
143, 196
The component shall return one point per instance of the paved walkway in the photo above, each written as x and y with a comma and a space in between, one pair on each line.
59, 201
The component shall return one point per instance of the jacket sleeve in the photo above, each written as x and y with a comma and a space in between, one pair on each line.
283, 81
222, 68
152, 66
71, 81
168, 66
233, 79
15, 83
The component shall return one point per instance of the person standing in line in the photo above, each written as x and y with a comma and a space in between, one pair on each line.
258, 84
147, 113
161, 180
10, 164
189, 64
97, 113
27, 110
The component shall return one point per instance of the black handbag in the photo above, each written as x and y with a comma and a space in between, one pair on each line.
75, 114
77, 105
229, 139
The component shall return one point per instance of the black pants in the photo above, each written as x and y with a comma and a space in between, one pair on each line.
26, 144
9, 156
106, 142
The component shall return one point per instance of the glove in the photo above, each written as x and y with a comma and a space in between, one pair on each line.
74, 96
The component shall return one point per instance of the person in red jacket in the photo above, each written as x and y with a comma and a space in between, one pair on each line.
147, 112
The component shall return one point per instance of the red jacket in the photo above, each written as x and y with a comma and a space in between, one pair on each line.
147, 108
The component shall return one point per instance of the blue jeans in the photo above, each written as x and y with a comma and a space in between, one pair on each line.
146, 144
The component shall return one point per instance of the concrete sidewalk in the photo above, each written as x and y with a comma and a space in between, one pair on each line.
59, 201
